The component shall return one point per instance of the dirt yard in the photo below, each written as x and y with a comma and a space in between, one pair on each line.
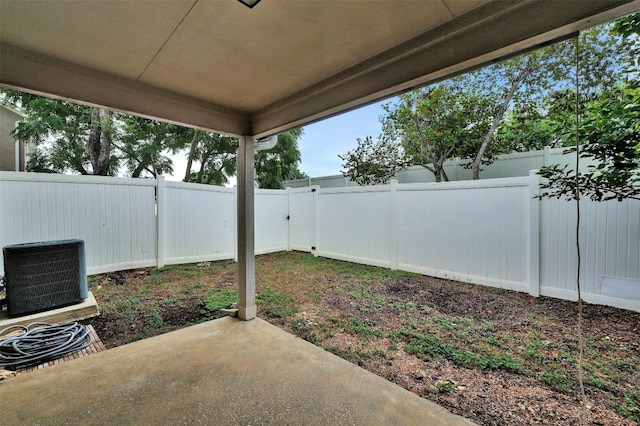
496, 357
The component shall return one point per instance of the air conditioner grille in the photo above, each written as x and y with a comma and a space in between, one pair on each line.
41, 276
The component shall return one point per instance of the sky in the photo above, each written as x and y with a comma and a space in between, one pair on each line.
321, 142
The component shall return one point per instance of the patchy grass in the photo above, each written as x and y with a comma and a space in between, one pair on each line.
276, 304
469, 340
219, 298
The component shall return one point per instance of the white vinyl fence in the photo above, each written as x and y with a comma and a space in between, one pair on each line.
121, 224
489, 232
115, 217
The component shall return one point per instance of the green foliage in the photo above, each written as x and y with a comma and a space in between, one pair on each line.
152, 318
219, 298
443, 386
144, 145
72, 138
64, 125
356, 326
555, 378
628, 404
525, 130
302, 329
373, 163
609, 132
629, 28
535, 348
440, 122
431, 347
280, 163
217, 157
513, 105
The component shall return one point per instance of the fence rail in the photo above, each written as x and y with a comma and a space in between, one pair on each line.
490, 232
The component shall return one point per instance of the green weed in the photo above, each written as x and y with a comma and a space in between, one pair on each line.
555, 378
628, 405
429, 347
152, 318
276, 304
219, 298
301, 329
443, 386
356, 326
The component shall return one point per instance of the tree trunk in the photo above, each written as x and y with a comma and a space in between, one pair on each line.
192, 151
496, 121
205, 159
99, 143
138, 171
444, 173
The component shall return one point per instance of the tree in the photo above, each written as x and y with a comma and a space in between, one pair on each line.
144, 145
437, 123
216, 154
280, 163
371, 163
527, 80
69, 137
609, 133
610, 136
526, 130
89, 140
99, 141
426, 127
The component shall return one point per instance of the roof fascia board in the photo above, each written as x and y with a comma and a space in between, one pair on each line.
484, 35
13, 111
44, 75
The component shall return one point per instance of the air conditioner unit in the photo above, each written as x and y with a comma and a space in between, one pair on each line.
44, 275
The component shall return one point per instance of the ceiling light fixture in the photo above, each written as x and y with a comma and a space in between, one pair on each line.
249, 3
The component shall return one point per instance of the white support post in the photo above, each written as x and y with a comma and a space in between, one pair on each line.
245, 225
393, 224
288, 219
534, 234
314, 249
160, 220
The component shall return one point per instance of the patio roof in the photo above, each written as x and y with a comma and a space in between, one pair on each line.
222, 66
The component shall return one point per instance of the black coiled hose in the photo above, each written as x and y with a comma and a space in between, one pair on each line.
40, 342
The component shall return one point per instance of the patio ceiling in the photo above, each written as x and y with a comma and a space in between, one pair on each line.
221, 66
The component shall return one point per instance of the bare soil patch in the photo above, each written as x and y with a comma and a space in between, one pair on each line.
494, 356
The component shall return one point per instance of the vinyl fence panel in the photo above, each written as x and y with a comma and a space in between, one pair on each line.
115, 217
199, 223
467, 231
353, 224
609, 245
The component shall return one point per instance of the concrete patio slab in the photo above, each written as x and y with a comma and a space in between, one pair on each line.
224, 372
